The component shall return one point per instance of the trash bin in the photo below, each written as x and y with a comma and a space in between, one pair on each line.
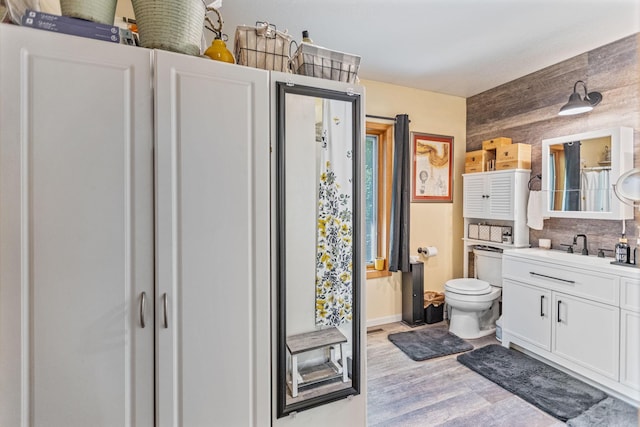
433, 306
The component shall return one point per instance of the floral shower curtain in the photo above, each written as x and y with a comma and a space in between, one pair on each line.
334, 253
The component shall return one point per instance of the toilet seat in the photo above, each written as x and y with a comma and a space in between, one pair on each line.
468, 286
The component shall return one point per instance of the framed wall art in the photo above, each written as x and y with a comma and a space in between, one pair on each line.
432, 168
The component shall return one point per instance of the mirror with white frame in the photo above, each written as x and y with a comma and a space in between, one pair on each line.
578, 173
319, 276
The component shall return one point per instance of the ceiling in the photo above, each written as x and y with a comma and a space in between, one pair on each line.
455, 47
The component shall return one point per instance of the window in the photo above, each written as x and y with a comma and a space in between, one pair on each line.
377, 183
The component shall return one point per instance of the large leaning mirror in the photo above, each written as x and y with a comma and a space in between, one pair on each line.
318, 250
578, 173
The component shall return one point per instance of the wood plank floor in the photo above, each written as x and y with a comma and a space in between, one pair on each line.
438, 392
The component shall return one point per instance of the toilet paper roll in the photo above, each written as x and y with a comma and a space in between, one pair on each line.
428, 251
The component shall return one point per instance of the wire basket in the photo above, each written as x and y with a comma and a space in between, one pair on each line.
102, 11
316, 61
170, 25
262, 46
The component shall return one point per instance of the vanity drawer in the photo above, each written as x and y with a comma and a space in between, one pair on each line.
630, 294
593, 285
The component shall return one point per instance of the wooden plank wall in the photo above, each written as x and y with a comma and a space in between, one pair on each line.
526, 110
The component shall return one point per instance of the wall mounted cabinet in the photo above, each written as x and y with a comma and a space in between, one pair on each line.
578, 172
125, 249
494, 195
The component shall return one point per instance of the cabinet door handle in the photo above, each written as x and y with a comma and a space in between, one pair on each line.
551, 277
541, 305
165, 321
559, 302
143, 306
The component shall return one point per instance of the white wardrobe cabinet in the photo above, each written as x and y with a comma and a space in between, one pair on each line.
134, 261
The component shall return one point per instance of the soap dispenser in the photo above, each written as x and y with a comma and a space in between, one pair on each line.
622, 250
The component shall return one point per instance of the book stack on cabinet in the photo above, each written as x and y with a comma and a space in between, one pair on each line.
71, 26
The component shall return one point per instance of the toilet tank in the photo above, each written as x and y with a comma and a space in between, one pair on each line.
488, 266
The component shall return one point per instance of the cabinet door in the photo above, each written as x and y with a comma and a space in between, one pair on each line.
501, 196
527, 313
630, 349
212, 197
474, 196
587, 333
76, 231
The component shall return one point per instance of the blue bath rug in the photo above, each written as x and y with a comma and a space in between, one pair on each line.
548, 388
429, 343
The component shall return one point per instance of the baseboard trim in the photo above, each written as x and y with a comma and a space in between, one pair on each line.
384, 320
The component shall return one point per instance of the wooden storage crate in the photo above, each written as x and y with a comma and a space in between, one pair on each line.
514, 156
494, 143
476, 161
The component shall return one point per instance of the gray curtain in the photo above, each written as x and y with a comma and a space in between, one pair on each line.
400, 197
572, 176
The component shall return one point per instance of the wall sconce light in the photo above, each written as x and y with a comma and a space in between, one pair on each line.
577, 104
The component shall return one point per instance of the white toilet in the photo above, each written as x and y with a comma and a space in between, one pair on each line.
474, 303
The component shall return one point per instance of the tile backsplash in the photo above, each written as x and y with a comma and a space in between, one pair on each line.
600, 233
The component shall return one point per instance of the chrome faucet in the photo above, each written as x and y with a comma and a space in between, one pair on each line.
585, 251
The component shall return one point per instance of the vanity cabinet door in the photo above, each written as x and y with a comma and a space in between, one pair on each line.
630, 349
629, 332
587, 333
527, 313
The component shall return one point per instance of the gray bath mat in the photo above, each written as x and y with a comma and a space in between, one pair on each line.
428, 343
610, 412
550, 389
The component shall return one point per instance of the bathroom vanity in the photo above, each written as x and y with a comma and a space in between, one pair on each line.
579, 312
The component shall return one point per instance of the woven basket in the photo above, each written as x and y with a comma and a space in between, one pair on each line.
262, 46
174, 25
316, 61
102, 11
